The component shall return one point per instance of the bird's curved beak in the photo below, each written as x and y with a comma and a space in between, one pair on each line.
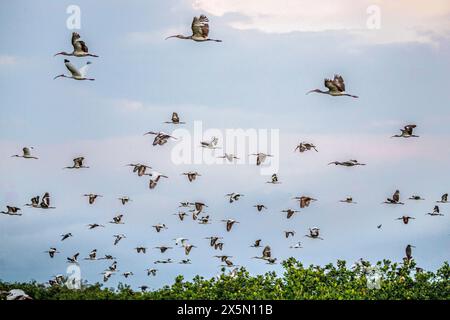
170, 37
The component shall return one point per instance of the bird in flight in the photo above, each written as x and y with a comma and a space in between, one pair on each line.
349, 163
289, 212
80, 48
259, 207
436, 212
191, 175
75, 73
175, 119
444, 198
274, 179
77, 164
234, 196
161, 138
12, 211
229, 157
44, 204
305, 146
200, 30
405, 219
26, 154
415, 197
229, 223
92, 197
261, 157
395, 198
406, 132
314, 233
336, 87
304, 201
348, 200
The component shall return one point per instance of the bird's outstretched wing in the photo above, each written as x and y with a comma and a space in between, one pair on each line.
74, 71
339, 82
175, 117
80, 45
200, 27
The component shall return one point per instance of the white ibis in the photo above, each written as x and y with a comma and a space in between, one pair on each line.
200, 30
191, 175
92, 197
259, 207
233, 196
289, 212
26, 154
66, 236
80, 48
274, 179
444, 198
314, 233
139, 168
106, 275
305, 146
44, 204
405, 219
159, 227
348, 200
51, 252
12, 211
415, 197
141, 249
304, 201
229, 157
406, 132
395, 198
336, 87
175, 119
161, 138
76, 74
211, 144
124, 200
180, 241
74, 258
77, 164
163, 249
261, 157
16, 294
349, 163
298, 245
117, 238
155, 179
256, 244
436, 212
230, 223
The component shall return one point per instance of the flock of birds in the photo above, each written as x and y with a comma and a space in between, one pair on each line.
196, 210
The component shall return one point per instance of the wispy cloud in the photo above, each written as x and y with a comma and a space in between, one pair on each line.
6, 60
400, 21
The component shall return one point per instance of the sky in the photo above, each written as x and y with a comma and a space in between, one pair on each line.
393, 55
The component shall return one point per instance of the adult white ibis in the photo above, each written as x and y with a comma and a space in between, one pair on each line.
74, 258
405, 219
406, 132
274, 179
211, 144
26, 154
415, 197
191, 175
298, 245
76, 74
51, 252
261, 157
314, 233
77, 164
336, 87
12, 211
155, 179
230, 223
200, 30
349, 163
92, 197
305, 146
175, 119
80, 48
161, 138
436, 212
234, 196
395, 198
304, 201
124, 200
444, 198
117, 238
180, 241
348, 200
229, 156
289, 212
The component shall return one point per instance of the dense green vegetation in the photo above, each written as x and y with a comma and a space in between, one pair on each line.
398, 281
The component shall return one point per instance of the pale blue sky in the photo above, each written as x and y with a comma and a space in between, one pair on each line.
255, 78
